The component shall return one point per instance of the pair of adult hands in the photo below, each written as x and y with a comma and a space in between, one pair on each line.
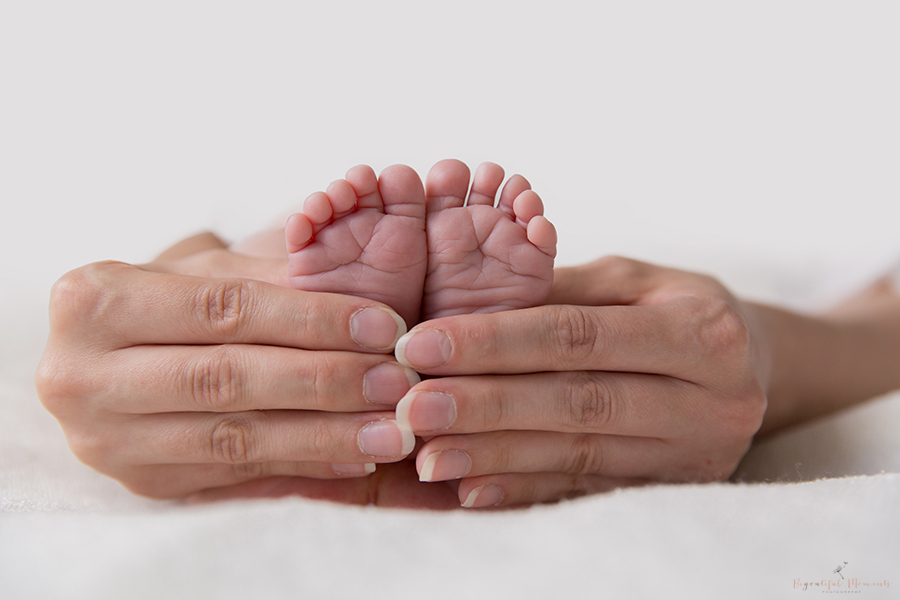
200, 375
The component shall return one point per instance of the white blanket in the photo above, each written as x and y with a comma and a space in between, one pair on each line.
67, 532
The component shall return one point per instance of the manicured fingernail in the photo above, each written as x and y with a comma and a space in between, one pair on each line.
353, 469
376, 328
385, 438
483, 496
426, 411
387, 383
424, 349
445, 465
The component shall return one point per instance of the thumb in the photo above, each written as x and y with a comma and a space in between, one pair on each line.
607, 281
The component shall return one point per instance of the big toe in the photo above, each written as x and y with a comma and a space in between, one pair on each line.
402, 192
447, 184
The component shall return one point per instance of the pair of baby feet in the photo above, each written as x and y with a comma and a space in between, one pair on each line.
443, 250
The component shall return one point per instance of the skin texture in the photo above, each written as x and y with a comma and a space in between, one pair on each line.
654, 375
485, 254
699, 387
365, 236
486, 249
179, 379
198, 372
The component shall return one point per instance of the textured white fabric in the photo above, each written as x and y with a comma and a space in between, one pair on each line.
67, 532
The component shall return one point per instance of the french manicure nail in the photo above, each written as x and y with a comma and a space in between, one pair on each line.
385, 438
426, 411
445, 465
353, 469
376, 328
387, 383
424, 349
484, 496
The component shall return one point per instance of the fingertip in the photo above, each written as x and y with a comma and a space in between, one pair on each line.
483, 496
375, 328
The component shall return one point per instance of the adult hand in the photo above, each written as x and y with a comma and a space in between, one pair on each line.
632, 374
199, 372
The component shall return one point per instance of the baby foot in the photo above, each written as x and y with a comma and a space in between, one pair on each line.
484, 258
364, 236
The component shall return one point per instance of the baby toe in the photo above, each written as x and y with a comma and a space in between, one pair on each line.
542, 234
298, 232
317, 208
486, 183
365, 186
527, 206
342, 197
446, 185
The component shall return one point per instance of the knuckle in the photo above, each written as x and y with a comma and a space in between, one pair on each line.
56, 385
216, 381
93, 450
742, 418
233, 440
223, 307
720, 329
493, 405
575, 334
84, 294
620, 267
326, 372
323, 440
584, 457
588, 402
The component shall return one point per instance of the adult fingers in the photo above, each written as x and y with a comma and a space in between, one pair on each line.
115, 305
234, 378
452, 457
178, 481
676, 338
190, 257
246, 437
521, 489
394, 485
575, 402
614, 280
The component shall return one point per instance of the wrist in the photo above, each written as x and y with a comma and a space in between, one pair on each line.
824, 363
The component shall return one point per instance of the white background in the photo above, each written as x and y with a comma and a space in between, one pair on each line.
700, 134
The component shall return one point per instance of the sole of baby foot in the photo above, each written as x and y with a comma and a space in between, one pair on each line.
485, 254
365, 236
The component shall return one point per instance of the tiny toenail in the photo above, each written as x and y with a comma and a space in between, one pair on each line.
376, 328
387, 383
424, 349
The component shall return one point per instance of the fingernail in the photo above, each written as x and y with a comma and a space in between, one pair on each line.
424, 349
376, 328
445, 465
385, 438
353, 469
483, 496
426, 411
387, 383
